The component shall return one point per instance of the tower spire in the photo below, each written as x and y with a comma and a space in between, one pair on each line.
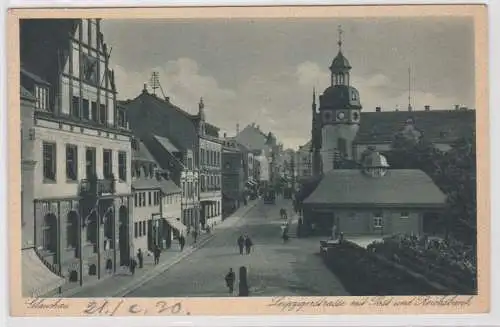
339, 42
314, 99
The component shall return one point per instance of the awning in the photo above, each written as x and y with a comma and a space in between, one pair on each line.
38, 279
175, 223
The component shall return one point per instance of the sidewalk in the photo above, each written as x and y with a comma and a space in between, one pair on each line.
123, 282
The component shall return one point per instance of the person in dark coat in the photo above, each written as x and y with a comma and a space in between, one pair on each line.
133, 264
241, 243
230, 279
140, 258
248, 244
157, 253
195, 235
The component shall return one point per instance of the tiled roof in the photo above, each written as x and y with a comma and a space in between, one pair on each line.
166, 186
351, 187
142, 153
437, 125
166, 144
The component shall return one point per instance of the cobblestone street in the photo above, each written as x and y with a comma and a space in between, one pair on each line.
274, 268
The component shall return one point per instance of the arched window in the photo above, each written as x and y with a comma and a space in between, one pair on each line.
72, 230
49, 233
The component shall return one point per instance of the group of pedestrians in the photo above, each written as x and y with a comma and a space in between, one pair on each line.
140, 259
244, 242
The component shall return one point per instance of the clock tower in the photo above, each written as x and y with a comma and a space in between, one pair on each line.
339, 111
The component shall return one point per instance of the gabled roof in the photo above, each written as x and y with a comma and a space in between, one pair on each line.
141, 153
35, 78
166, 143
252, 137
438, 126
399, 187
166, 186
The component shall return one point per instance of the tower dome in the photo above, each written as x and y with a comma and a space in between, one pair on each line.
340, 64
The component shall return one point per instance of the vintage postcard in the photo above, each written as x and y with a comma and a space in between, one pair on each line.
249, 161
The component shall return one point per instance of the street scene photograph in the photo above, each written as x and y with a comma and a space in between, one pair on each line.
248, 157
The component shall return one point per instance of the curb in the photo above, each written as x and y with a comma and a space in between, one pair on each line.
154, 273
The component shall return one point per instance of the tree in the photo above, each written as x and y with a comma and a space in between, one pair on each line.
454, 172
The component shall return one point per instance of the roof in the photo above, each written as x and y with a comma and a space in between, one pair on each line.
141, 153
340, 96
35, 78
437, 125
340, 63
26, 94
252, 138
166, 144
399, 187
166, 186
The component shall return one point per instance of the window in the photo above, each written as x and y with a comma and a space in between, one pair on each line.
102, 114
143, 228
405, 215
92, 228
354, 97
49, 161
122, 120
136, 230
71, 162
75, 107
72, 230
202, 156
122, 166
107, 158
135, 200
90, 163
49, 233
94, 112
85, 109
149, 199
190, 163
143, 197
42, 97
378, 221
342, 146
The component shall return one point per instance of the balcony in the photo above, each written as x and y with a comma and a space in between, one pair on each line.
97, 187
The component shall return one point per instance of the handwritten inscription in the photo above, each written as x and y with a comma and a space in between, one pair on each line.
290, 304
46, 304
104, 308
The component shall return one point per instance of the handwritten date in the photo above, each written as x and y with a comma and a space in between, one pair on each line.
107, 308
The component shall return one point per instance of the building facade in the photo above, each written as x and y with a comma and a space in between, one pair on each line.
157, 199
81, 143
210, 166
373, 200
233, 178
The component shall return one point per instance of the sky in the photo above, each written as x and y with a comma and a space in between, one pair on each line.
263, 71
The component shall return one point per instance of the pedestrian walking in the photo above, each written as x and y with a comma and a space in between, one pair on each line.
140, 258
248, 244
195, 235
157, 253
133, 264
182, 242
241, 243
230, 279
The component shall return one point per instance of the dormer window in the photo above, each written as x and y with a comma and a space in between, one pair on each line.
122, 119
42, 97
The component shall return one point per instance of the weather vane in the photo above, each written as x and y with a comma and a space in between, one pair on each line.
340, 36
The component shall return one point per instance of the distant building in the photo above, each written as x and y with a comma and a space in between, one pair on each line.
374, 200
81, 145
303, 162
233, 178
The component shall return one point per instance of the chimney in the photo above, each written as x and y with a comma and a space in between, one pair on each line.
378, 109
167, 99
427, 107
457, 107
237, 129
145, 89
225, 135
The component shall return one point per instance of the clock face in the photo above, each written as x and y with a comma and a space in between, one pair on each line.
340, 115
